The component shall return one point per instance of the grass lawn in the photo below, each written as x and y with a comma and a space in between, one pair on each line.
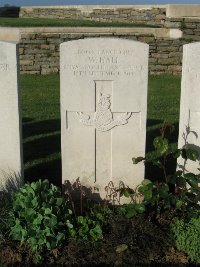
41, 121
44, 22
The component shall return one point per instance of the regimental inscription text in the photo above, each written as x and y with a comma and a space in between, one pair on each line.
100, 63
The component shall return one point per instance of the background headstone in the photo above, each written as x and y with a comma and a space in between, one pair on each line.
103, 111
189, 125
10, 120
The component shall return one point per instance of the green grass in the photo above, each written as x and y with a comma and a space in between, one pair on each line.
41, 121
44, 22
163, 105
41, 127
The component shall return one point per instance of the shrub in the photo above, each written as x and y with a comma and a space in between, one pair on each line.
177, 193
42, 219
187, 237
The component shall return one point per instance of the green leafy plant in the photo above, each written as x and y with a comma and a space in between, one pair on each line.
90, 218
177, 192
87, 229
42, 219
132, 209
186, 235
101, 213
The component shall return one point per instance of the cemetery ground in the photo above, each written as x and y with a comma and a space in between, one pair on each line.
128, 239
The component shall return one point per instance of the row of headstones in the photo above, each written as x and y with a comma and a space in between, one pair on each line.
103, 110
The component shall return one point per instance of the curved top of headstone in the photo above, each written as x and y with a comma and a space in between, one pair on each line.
102, 40
8, 43
192, 45
84, 61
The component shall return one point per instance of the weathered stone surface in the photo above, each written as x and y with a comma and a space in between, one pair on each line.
179, 11
10, 119
189, 125
103, 111
41, 45
169, 61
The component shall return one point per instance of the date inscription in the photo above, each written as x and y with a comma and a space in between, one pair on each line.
103, 63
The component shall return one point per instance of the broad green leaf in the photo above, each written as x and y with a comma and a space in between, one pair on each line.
126, 193
140, 208
146, 182
38, 219
158, 163
163, 190
179, 204
177, 153
47, 211
80, 219
60, 236
189, 153
192, 179
59, 201
147, 194
192, 154
98, 229
183, 153
48, 245
161, 144
54, 221
131, 213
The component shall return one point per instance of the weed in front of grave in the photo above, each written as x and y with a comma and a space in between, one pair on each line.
177, 194
90, 217
42, 220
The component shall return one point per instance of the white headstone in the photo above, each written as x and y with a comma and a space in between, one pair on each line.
10, 120
103, 111
189, 125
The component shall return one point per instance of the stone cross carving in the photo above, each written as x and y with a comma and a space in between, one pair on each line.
103, 120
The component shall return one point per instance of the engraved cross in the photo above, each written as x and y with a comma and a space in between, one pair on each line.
103, 120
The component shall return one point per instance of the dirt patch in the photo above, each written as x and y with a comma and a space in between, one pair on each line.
134, 242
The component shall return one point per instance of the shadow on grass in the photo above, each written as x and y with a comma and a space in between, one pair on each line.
50, 170
41, 148
32, 128
153, 172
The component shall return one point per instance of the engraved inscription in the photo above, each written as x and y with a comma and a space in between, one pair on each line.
103, 118
4, 67
103, 63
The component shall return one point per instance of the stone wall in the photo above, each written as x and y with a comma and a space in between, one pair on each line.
39, 52
39, 47
147, 15
189, 26
185, 17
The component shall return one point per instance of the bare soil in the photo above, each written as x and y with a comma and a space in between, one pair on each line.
142, 243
